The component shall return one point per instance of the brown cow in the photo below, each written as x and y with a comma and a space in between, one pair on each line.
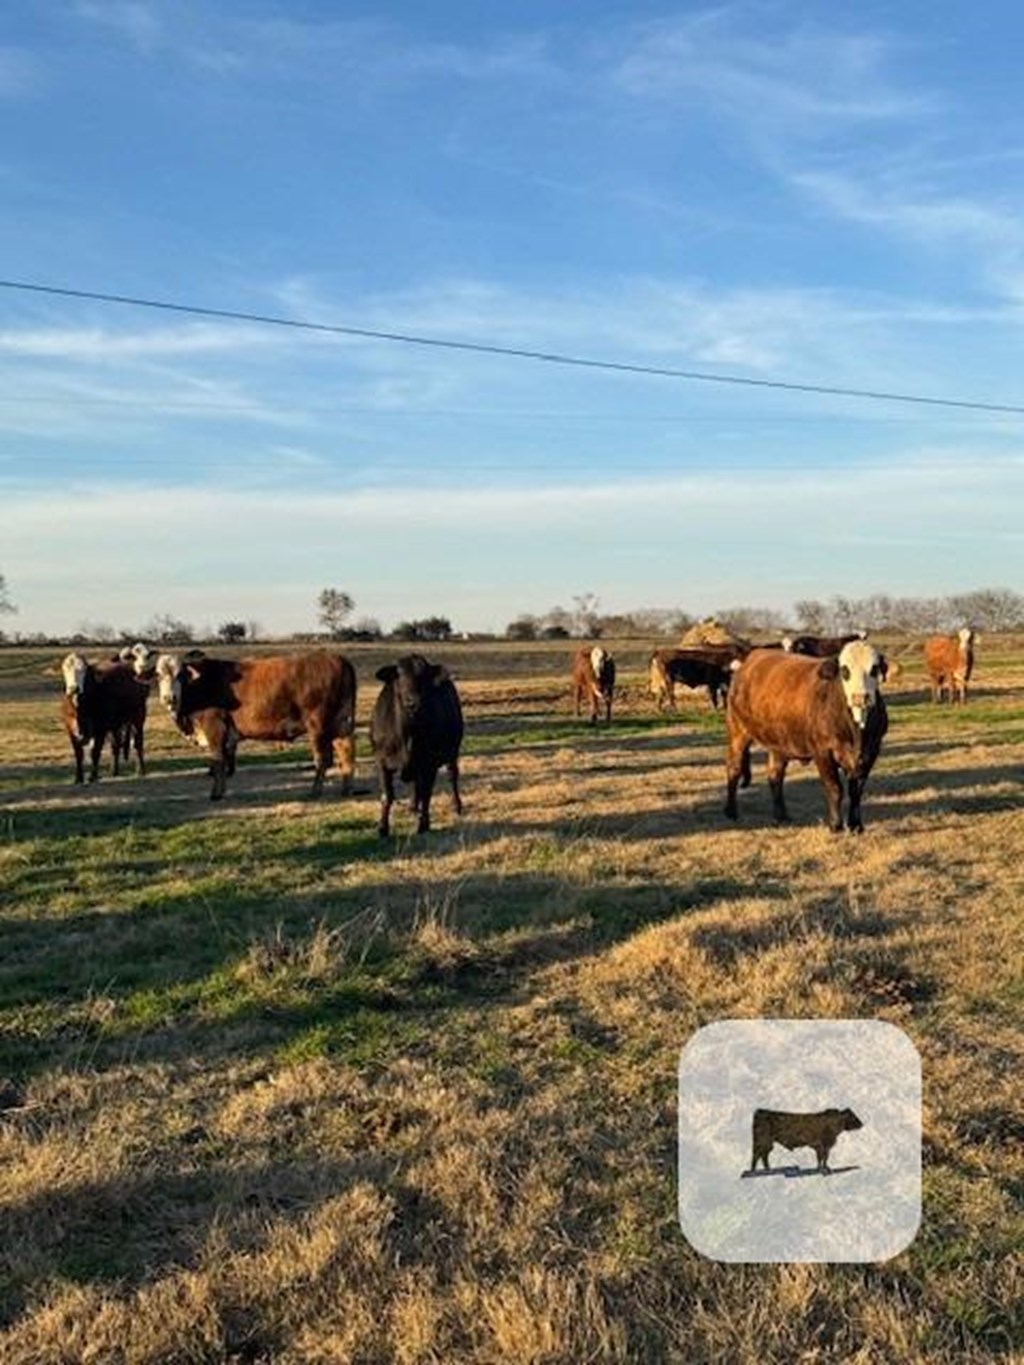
950, 661
593, 680
828, 710
819, 1131
708, 667
100, 700
218, 702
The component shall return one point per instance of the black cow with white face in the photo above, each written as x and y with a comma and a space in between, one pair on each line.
416, 728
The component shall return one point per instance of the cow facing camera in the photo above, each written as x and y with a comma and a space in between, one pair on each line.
799, 1140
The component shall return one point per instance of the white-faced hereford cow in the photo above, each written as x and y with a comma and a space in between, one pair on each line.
950, 662
218, 702
593, 681
818, 1131
829, 710
415, 729
100, 700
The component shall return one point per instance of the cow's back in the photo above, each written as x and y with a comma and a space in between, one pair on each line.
771, 695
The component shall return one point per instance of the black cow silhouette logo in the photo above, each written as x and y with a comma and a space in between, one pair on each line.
818, 1131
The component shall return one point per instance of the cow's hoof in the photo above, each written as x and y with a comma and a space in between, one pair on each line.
383, 832
731, 814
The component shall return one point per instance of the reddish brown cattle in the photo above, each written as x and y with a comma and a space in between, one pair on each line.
950, 662
818, 1131
828, 710
218, 702
100, 700
593, 681
708, 666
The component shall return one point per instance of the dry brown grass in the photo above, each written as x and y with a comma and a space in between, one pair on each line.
278, 1095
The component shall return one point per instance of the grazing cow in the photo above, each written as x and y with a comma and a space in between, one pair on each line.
101, 700
593, 680
819, 646
950, 661
709, 667
218, 702
819, 1131
828, 710
416, 728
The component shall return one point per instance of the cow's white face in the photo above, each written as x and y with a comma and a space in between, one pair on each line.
597, 658
860, 667
140, 657
73, 671
168, 677
966, 636
787, 644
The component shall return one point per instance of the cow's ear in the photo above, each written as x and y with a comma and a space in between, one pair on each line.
829, 669
438, 673
387, 674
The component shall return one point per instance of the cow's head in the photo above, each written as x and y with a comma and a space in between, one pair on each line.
74, 671
966, 637
787, 643
659, 677
859, 669
850, 1121
170, 681
410, 679
141, 658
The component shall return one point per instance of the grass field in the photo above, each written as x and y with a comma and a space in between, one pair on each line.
272, 1089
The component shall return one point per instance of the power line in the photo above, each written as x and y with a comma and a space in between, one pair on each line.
513, 352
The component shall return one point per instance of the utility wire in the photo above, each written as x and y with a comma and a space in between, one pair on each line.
515, 352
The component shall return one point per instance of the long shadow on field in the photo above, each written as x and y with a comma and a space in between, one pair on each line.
136, 1228
193, 976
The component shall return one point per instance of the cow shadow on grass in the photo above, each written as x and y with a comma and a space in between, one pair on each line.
133, 1229
357, 972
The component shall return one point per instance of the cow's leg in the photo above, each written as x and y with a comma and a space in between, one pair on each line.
78, 749
116, 746
387, 799
424, 779
822, 1154
97, 750
453, 773
140, 756
828, 771
321, 743
776, 777
854, 791
345, 760
579, 698
608, 711
737, 765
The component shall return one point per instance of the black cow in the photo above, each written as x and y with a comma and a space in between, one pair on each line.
799, 1130
416, 728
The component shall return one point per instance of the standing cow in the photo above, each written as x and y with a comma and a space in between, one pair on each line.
710, 667
950, 662
101, 700
416, 728
218, 702
593, 680
828, 710
818, 1131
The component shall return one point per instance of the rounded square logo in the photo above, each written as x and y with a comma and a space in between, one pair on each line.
800, 1140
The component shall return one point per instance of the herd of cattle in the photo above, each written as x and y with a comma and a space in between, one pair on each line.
812, 698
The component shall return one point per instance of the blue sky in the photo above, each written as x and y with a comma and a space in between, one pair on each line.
775, 191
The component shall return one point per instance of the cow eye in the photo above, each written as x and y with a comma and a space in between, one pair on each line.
846, 673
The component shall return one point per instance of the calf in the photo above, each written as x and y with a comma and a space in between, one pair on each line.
709, 667
218, 702
819, 1131
100, 700
593, 680
950, 661
828, 710
819, 646
416, 728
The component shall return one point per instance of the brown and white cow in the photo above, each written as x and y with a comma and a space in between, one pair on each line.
100, 700
593, 681
830, 711
950, 662
218, 702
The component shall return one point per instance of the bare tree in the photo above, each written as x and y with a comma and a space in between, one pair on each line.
6, 605
585, 619
333, 606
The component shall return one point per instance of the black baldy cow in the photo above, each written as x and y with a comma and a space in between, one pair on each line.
593, 681
416, 728
818, 1131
